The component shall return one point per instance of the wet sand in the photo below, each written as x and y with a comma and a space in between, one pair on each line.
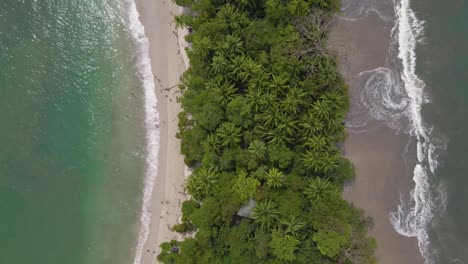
375, 149
168, 62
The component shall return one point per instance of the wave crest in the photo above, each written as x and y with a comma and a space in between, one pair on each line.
143, 63
396, 97
415, 213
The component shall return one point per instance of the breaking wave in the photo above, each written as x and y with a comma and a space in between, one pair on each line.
396, 96
137, 34
414, 215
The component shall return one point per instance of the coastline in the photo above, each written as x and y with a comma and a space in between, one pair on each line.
381, 178
168, 61
375, 149
204, 212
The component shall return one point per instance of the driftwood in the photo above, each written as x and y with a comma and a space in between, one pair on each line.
170, 88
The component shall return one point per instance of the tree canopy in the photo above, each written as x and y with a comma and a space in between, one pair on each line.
263, 108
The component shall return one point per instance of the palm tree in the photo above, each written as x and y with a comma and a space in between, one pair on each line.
269, 99
233, 45
247, 3
326, 69
333, 123
279, 82
321, 3
318, 143
249, 69
274, 178
292, 224
322, 109
277, 127
211, 143
289, 104
224, 93
254, 97
320, 161
319, 188
235, 67
257, 149
265, 213
293, 100
202, 183
229, 134
329, 162
219, 64
311, 160
201, 47
278, 135
259, 80
290, 124
230, 17
294, 66
272, 117
183, 20
310, 125
336, 99
298, 7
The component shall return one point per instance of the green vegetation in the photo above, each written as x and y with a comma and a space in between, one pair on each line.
263, 110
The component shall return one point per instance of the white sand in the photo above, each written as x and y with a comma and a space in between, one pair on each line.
168, 62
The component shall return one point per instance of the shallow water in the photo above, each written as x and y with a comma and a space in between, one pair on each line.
72, 133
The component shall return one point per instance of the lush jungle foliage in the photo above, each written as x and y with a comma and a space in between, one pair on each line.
263, 114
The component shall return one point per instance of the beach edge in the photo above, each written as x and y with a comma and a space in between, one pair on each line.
169, 61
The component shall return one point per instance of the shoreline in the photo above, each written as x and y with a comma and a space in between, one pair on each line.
376, 190
168, 61
233, 144
376, 150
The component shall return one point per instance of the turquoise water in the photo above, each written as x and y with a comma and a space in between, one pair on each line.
71, 133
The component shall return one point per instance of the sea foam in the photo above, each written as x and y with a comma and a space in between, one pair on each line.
137, 33
357, 9
414, 215
383, 97
396, 96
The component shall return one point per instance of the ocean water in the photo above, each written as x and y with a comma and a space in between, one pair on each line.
74, 124
422, 91
443, 65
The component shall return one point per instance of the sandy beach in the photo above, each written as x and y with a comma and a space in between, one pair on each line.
168, 63
375, 149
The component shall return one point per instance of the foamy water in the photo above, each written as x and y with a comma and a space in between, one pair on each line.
413, 217
137, 33
382, 97
393, 96
356, 9
396, 96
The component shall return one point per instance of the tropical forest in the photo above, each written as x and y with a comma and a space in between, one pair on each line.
262, 122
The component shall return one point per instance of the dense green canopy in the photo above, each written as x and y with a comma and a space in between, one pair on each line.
263, 108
